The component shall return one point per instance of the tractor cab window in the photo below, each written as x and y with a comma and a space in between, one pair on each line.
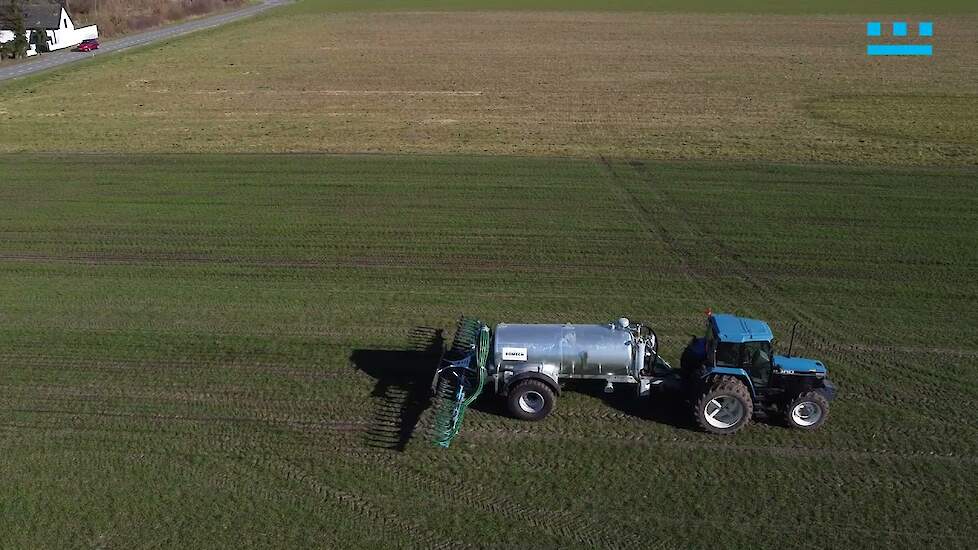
756, 360
718, 352
727, 353
710, 344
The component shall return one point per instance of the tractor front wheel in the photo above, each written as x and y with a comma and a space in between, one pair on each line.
808, 411
724, 407
530, 400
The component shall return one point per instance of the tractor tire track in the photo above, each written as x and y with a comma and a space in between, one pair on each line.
359, 504
770, 295
648, 221
566, 525
495, 432
158, 259
392, 468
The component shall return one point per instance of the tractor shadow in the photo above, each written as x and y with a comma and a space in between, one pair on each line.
669, 407
403, 386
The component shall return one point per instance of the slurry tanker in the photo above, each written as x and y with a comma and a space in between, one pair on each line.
726, 375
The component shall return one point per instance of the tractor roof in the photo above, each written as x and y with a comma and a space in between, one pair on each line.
730, 328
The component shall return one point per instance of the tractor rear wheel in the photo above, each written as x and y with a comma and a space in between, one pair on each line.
724, 407
530, 400
808, 411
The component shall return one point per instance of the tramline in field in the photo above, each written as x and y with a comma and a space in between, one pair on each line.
726, 375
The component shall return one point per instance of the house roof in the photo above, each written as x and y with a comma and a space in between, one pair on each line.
38, 14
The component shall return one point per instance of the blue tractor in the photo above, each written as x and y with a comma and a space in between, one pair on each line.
733, 371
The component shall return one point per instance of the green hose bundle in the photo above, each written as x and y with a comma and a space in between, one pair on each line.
458, 382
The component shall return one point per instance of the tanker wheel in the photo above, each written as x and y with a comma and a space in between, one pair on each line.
724, 407
530, 400
808, 411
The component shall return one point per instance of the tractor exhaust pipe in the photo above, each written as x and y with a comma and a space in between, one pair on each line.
791, 344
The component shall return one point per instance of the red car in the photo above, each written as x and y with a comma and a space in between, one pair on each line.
88, 45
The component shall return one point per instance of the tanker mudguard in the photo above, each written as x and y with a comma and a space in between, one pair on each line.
531, 375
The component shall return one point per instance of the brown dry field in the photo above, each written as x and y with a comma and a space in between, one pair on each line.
781, 88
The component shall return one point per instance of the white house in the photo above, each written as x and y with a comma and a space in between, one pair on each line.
50, 17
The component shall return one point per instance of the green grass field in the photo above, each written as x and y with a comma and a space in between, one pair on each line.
223, 350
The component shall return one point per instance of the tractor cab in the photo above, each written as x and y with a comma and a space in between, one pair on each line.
738, 343
739, 352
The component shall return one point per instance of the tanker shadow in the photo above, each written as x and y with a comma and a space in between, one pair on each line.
490, 403
403, 386
664, 407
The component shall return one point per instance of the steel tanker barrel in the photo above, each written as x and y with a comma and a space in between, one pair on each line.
573, 349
